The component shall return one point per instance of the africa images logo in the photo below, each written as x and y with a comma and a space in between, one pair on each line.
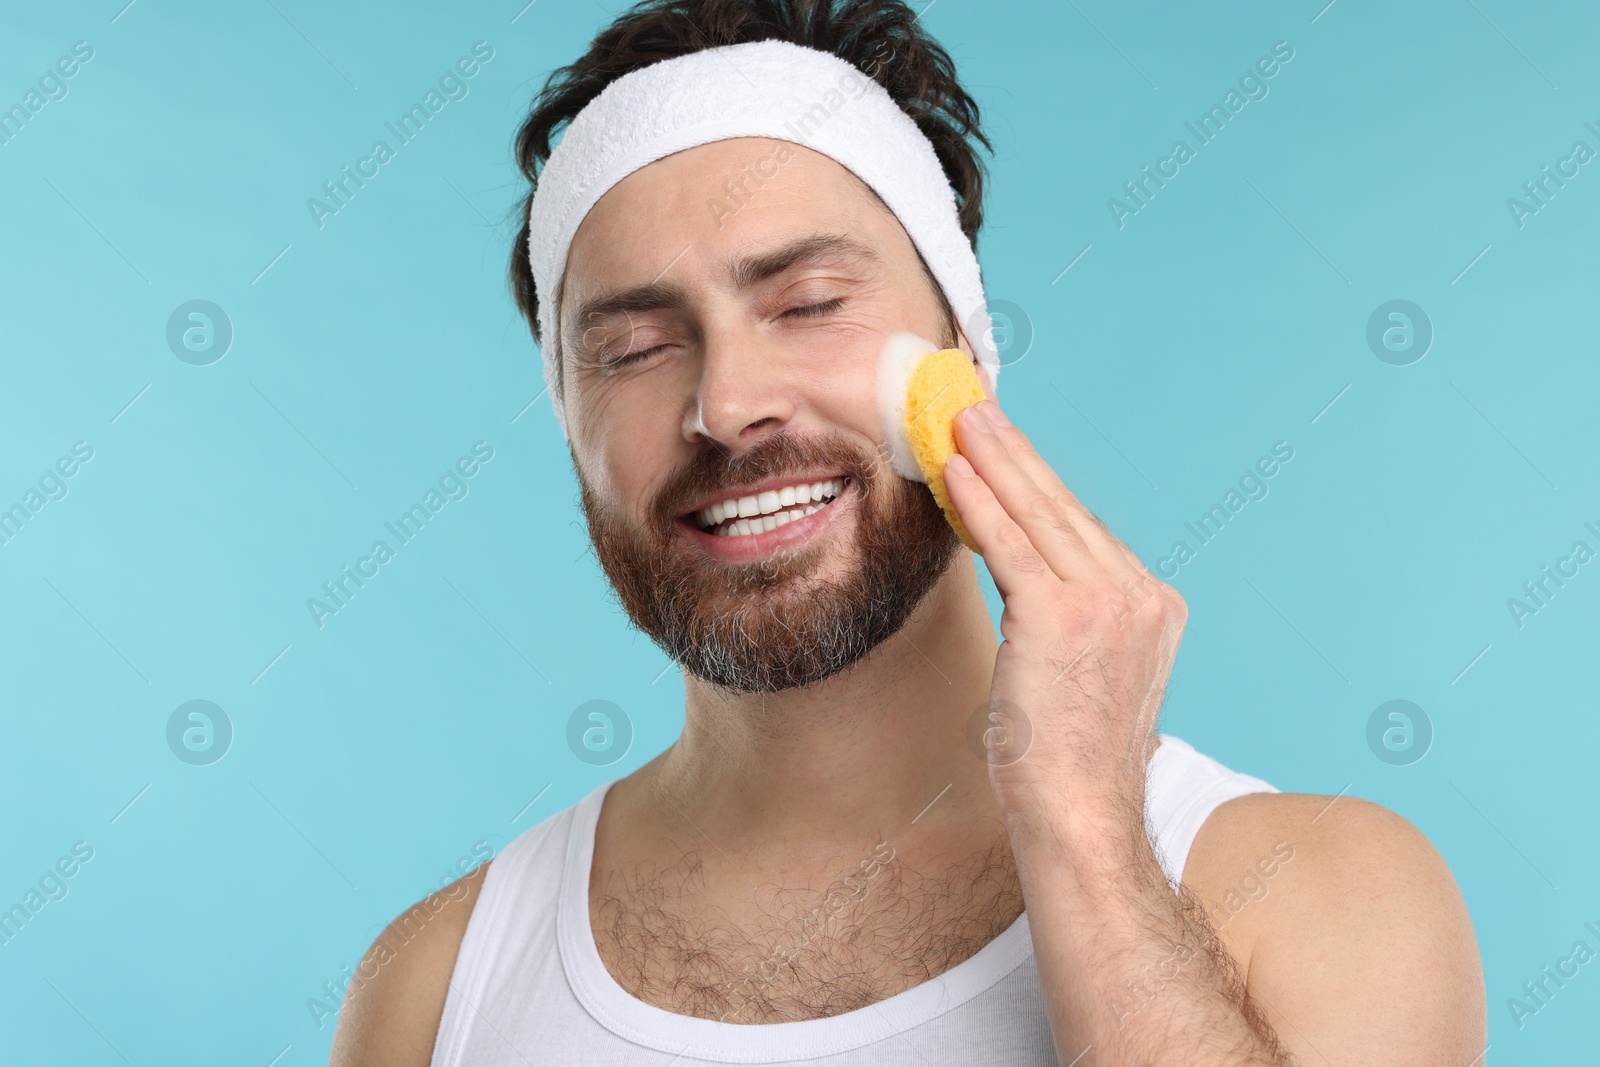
1206, 128
452, 85
453, 484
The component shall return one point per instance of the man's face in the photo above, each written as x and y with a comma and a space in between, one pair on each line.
711, 354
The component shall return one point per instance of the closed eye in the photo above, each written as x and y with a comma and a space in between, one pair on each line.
823, 308
804, 311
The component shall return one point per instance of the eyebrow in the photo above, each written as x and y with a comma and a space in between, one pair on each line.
745, 271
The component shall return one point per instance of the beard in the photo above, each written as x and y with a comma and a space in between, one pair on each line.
773, 624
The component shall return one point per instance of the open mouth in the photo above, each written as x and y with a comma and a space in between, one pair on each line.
750, 515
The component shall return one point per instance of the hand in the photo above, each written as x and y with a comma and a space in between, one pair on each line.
1089, 636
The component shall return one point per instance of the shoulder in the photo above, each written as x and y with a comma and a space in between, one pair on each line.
1260, 844
392, 1010
1339, 909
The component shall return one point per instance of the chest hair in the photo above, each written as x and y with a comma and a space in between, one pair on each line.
797, 954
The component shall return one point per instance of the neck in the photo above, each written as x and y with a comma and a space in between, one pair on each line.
864, 753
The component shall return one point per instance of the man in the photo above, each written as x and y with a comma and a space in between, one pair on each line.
884, 836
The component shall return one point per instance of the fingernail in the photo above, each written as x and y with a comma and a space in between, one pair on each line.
960, 466
992, 411
976, 420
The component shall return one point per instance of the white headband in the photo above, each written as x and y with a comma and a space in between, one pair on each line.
768, 88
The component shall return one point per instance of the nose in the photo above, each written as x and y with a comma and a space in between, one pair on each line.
746, 390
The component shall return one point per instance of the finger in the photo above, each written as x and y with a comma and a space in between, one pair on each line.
1124, 568
1014, 563
1099, 539
1051, 531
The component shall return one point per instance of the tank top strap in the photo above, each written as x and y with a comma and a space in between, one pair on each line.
1183, 787
519, 893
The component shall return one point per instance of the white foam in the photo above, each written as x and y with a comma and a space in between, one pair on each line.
900, 355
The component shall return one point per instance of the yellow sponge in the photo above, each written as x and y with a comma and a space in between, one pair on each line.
920, 392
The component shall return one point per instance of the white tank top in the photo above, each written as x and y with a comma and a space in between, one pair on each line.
529, 987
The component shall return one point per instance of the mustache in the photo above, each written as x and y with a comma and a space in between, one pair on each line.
714, 469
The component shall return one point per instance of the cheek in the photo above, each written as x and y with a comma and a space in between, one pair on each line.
855, 407
844, 402
623, 417
841, 375
592, 403
631, 453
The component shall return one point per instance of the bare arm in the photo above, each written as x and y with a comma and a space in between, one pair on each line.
1134, 974
392, 1010
1313, 930
1360, 950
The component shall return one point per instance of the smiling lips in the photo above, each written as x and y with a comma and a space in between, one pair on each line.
748, 515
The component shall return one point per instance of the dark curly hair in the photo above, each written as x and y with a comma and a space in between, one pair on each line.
880, 38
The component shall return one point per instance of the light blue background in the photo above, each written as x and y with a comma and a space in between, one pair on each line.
375, 752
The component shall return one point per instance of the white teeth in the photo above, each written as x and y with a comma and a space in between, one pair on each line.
768, 510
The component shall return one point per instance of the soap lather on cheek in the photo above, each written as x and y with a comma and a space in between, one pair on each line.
920, 390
